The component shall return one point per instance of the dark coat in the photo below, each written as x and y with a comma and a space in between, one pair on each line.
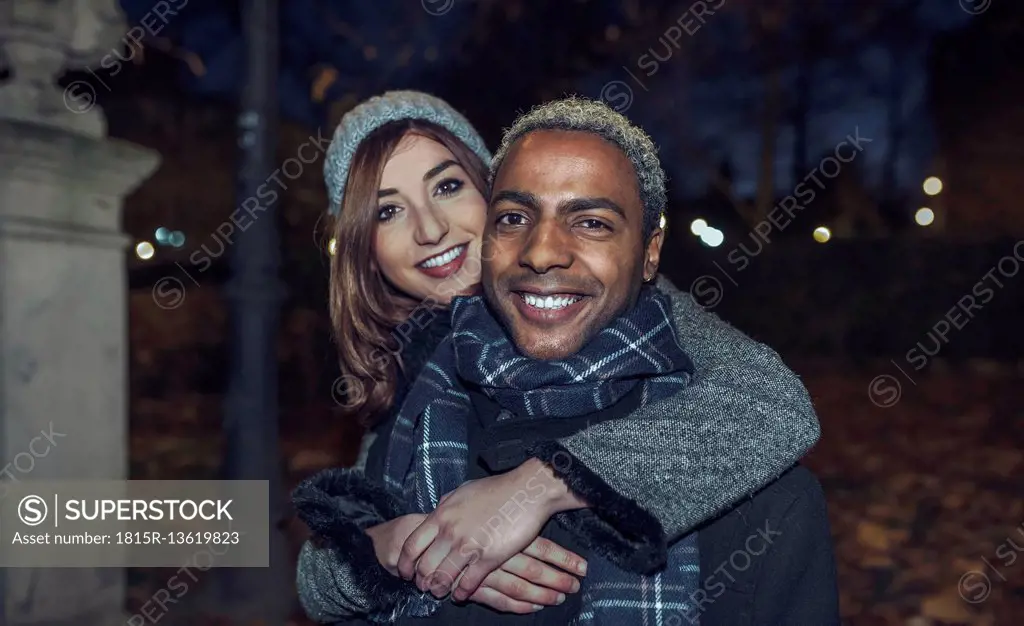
768, 561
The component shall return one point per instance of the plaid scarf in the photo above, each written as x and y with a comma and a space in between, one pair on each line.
427, 457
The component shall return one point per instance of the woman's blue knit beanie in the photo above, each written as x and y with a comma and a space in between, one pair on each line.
392, 106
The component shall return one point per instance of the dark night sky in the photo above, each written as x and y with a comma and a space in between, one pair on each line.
703, 97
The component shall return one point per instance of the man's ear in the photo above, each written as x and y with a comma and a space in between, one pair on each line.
652, 254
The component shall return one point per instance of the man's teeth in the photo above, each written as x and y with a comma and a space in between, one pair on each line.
549, 302
443, 258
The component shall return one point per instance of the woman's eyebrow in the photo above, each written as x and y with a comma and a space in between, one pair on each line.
437, 169
431, 173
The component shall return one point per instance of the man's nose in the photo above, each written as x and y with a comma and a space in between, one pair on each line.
546, 248
431, 224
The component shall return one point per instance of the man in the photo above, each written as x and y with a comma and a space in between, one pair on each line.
569, 331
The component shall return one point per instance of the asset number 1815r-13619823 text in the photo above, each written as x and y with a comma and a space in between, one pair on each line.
152, 537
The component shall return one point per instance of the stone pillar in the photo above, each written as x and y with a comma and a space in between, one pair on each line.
63, 327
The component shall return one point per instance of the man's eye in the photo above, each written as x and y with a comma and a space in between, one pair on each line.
512, 219
593, 224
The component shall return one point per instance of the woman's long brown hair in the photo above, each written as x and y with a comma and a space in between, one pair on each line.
365, 307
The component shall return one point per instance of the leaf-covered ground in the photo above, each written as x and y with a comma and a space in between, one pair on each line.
925, 496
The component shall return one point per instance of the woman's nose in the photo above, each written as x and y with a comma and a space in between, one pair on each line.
431, 225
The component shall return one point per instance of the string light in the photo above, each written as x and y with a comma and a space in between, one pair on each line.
932, 185
663, 222
176, 239
165, 237
822, 234
697, 226
924, 216
332, 246
712, 237
144, 250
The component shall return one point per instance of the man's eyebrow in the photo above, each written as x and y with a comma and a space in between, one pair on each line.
522, 198
432, 172
576, 205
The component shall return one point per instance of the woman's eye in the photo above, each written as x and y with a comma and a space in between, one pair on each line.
387, 212
448, 187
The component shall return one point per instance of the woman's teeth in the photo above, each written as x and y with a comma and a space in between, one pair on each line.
549, 302
444, 258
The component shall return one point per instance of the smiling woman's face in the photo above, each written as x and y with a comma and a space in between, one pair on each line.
430, 221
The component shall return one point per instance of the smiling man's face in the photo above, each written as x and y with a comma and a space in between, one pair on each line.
564, 253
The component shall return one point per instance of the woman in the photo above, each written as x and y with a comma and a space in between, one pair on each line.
407, 174
411, 215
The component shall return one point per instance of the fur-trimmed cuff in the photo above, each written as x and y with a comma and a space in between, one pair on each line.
344, 496
614, 526
338, 505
